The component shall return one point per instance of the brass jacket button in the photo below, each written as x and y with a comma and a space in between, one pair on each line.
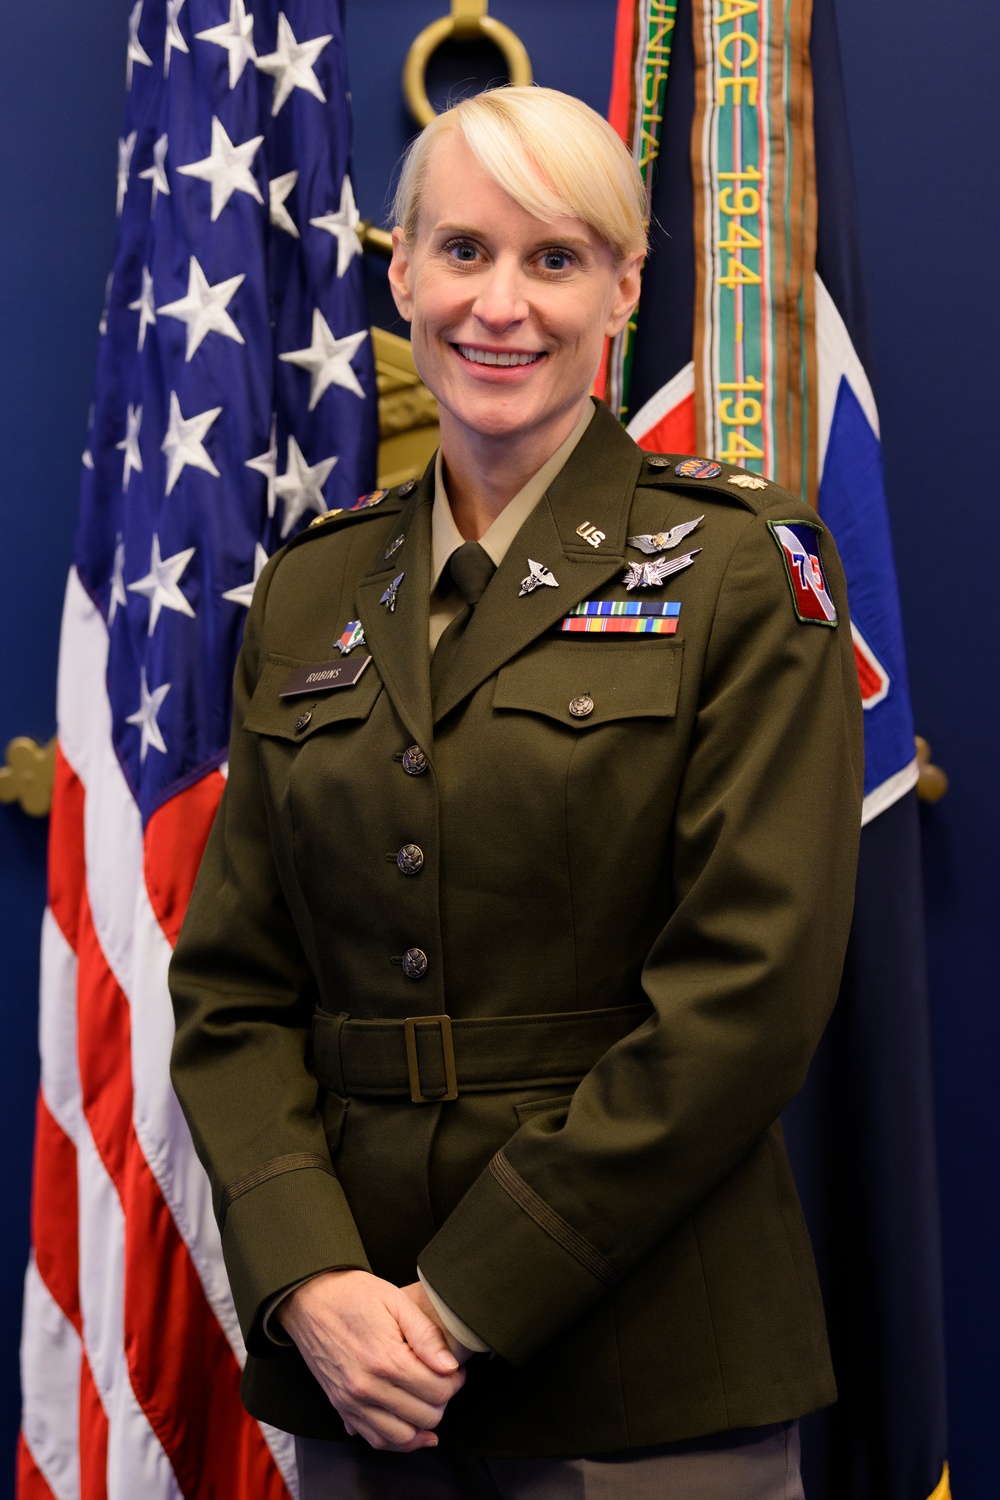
582, 706
410, 859
303, 720
414, 963
658, 462
414, 761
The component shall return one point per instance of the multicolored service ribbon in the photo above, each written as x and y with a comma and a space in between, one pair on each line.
623, 616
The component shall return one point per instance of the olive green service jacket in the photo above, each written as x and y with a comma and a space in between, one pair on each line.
634, 917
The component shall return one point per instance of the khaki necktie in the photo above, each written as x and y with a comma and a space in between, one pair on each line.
470, 568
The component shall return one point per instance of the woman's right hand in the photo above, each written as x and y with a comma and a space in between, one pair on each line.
382, 1362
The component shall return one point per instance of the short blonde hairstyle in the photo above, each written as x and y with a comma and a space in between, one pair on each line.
551, 153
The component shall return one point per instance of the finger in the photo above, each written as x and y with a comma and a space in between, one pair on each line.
384, 1429
425, 1338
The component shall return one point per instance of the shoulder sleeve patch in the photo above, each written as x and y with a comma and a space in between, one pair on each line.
798, 542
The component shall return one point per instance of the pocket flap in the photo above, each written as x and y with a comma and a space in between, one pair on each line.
283, 717
603, 680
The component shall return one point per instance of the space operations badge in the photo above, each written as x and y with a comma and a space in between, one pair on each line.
799, 543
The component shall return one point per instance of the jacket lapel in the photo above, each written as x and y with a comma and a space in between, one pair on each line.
596, 487
398, 640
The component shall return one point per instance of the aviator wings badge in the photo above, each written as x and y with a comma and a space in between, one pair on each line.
662, 541
649, 575
539, 574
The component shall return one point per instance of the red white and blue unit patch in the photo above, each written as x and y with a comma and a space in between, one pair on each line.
799, 543
623, 617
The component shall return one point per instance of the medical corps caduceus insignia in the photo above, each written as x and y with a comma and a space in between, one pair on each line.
799, 543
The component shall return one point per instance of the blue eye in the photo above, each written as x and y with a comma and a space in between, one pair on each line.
462, 250
556, 260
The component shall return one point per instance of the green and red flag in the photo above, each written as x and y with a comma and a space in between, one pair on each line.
750, 344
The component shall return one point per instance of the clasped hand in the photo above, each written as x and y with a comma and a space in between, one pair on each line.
379, 1354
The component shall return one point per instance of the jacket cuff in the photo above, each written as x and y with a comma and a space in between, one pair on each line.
291, 1227
510, 1267
470, 1342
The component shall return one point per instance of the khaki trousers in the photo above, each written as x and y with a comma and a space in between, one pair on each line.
758, 1464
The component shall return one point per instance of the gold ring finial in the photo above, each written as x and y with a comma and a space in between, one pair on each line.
468, 19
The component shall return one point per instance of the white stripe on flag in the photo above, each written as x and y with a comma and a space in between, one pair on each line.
127, 927
60, 1082
661, 402
137, 1464
50, 1386
836, 356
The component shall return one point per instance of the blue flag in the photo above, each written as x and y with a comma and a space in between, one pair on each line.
861, 1135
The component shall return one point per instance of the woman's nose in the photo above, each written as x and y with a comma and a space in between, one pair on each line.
500, 301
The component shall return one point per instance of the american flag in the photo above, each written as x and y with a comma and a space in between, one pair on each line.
235, 398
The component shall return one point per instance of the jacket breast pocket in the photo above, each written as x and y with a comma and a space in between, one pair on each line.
585, 683
299, 718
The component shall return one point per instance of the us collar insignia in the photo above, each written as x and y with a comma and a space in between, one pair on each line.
697, 468
748, 481
662, 541
539, 574
394, 546
389, 597
353, 635
649, 575
590, 533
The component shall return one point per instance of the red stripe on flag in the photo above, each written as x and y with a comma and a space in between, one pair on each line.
55, 1213
183, 1371
93, 1439
173, 845
67, 862
674, 432
620, 107
30, 1482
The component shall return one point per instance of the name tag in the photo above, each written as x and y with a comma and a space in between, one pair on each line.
321, 677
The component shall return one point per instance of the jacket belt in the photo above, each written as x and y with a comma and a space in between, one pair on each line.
435, 1058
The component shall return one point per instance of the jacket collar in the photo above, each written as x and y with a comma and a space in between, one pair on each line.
594, 489
398, 640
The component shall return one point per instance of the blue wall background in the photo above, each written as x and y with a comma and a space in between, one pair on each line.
925, 112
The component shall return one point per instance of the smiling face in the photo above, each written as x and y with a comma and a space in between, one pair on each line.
509, 312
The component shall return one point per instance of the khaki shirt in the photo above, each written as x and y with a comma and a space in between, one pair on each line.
446, 537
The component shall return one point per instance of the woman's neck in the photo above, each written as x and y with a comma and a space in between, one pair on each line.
484, 473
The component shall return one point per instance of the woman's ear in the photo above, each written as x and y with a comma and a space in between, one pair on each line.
629, 278
400, 269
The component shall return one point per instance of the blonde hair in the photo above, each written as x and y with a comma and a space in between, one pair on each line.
551, 153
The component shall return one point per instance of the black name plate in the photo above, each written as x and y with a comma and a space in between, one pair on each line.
320, 677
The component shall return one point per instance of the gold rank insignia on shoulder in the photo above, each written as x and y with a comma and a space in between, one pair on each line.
326, 516
748, 481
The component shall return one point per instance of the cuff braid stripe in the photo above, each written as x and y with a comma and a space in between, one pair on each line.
296, 1161
553, 1224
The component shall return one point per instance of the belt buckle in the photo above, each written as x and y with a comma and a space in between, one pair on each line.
417, 1094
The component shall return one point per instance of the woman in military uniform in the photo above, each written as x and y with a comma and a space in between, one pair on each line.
527, 901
